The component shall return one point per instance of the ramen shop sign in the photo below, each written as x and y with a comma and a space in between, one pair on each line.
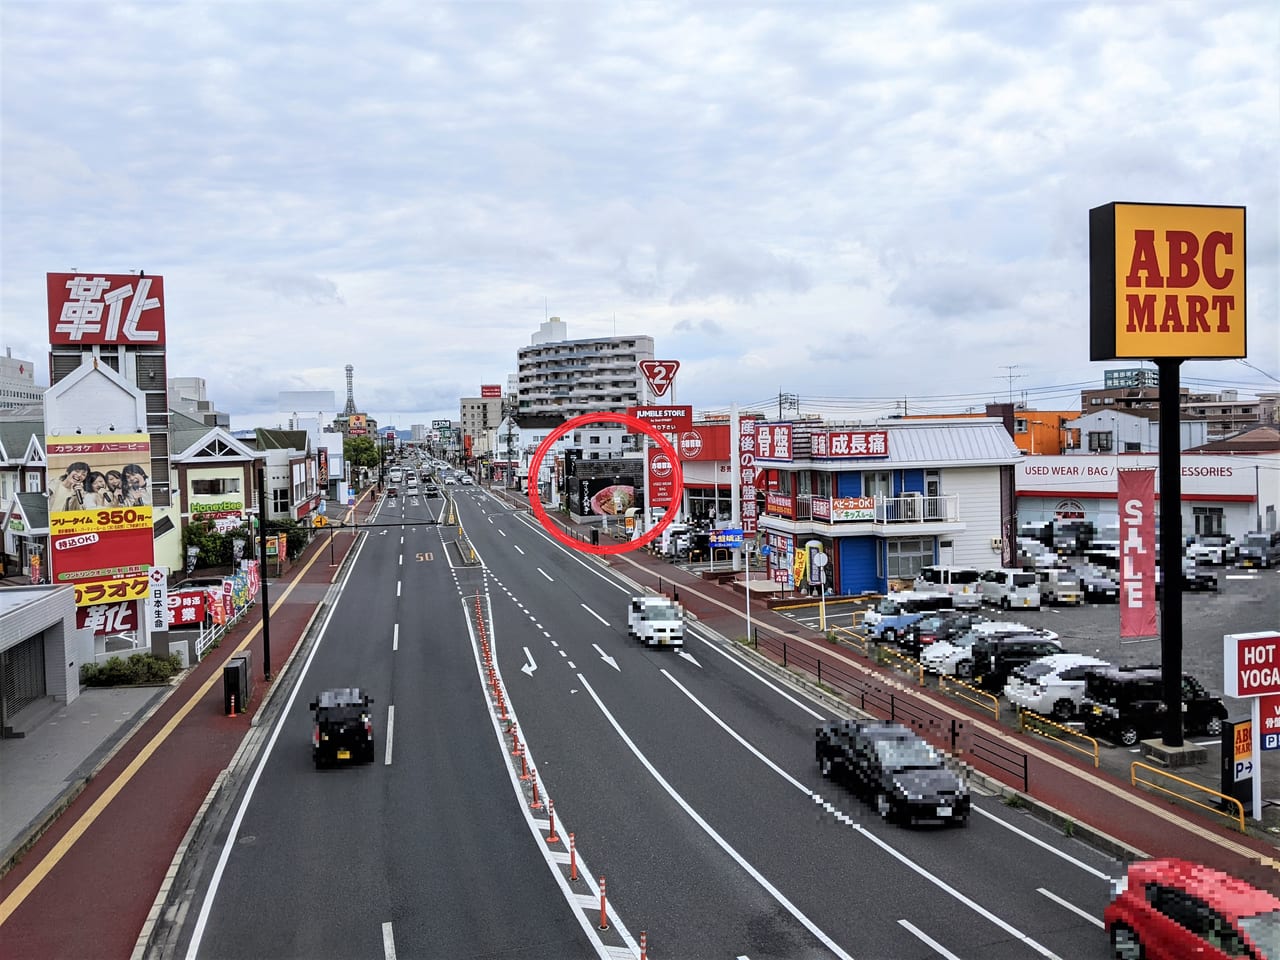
1166, 281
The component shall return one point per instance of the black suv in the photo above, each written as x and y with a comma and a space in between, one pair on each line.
343, 730
995, 658
937, 627
905, 777
1126, 704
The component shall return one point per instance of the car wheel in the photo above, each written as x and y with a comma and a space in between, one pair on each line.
827, 766
1125, 943
964, 669
1129, 735
1214, 727
1063, 710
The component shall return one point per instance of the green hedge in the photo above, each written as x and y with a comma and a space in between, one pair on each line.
139, 668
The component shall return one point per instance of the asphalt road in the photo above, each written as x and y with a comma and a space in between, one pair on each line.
688, 781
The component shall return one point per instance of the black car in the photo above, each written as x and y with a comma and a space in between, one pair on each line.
937, 627
1126, 704
995, 658
343, 729
885, 763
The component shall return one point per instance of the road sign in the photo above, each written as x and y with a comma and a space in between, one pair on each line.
1251, 663
1244, 750
659, 374
1271, 741
319, 521
729, 539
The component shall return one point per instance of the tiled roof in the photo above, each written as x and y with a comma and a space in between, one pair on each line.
36, 508
15, 435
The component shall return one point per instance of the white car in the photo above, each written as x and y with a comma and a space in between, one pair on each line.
656, 621
954, 658
1052, 686
466, 479
1217, 551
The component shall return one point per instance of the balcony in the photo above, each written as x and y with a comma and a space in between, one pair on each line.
836, 514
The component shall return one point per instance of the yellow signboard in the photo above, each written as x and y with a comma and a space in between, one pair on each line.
1166, 280
1244, 740
319, 521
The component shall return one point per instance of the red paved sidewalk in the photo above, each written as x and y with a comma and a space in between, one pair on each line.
85, 888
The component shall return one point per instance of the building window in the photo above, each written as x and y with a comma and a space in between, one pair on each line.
1019, 425
877, 483
1132, 447
906, 557
216, 487
1100, 442
280, 500
1208, 521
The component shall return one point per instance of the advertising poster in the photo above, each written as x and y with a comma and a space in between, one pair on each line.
662, 480
1136, 496
100, 537
747, 466
105, 308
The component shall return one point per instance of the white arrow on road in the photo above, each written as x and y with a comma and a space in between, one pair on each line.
606, 658
689, 657
530, 666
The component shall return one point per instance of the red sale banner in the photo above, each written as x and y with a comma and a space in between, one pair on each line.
1136, 497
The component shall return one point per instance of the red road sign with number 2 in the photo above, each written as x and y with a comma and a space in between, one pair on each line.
659, 374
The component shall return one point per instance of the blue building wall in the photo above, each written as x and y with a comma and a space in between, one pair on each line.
912, 482
858, 565
848, 484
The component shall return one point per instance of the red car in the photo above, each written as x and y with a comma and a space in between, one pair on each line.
1173, 910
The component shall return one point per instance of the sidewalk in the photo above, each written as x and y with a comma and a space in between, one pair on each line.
132, 768
1062, 787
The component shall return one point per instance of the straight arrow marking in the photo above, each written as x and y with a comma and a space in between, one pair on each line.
606, 658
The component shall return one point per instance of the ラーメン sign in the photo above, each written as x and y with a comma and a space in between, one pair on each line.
1166, 280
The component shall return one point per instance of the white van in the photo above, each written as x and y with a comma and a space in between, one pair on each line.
1011, 589
960, 582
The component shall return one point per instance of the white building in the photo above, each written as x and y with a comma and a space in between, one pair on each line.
1136, 431
18, 382
566, 378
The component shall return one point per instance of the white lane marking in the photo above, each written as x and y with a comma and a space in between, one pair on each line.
545, 574
395, 637
603, 656
594, 614
518, 550
689, 657
402, 539
710, 831
572, 665
535, 527
916, 931
761, 677
882, 844
388, 942
530, 666
401, 560
397, 588
1079, 911
1041, 843
197, 934
501, 531
391, 723
563, 654
1239, 576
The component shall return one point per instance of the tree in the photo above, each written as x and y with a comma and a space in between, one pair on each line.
360, 452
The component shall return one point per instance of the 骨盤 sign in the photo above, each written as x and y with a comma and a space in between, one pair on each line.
1251, 664
1166, 280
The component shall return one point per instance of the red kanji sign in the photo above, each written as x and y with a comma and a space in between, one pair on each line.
659, 374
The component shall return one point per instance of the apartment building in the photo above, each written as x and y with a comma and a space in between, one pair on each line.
557, 376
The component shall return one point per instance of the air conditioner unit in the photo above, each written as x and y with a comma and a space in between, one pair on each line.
997, 543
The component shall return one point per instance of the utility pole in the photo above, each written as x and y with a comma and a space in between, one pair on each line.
1011, 376
788, 400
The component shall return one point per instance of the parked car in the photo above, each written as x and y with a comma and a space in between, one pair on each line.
954, 657
906, 778
1099, 584
1052, 686
1034, 555
1170, 909
1260, 549
961, 583
995, 658
1059, 586
896, 612
1126, 704
1104, 553
343, 730
1194, 577
1217, 549
1010, 588
939, 626
1041, 533
1072, 536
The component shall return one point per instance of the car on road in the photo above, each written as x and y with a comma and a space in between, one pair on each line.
1126, 704
906, 778
1052, 686
656, 621
1169, 909
1259, 549
954, 657
343, 729
467, 480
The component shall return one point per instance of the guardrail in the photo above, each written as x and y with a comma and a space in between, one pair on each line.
1031, 722
980, 698
854, 639
1237, 818
900, 663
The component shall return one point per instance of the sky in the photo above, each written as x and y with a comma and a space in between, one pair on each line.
869, 206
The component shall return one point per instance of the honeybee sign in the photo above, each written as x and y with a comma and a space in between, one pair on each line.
1166, 280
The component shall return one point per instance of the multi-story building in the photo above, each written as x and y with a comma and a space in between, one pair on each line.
18, 382
479, 418
1223, 413
189, 396
567, 378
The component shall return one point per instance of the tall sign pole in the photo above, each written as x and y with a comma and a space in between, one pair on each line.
262, 562
1167, 283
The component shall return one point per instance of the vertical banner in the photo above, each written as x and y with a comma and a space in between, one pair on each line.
747, 464
1136, 495
662, 480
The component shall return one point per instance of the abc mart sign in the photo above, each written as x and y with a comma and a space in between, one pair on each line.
1166, 280
1251, 664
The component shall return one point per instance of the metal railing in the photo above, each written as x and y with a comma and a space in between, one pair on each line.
918, 509
1237, 818
900, 663
1031, 722
964, 691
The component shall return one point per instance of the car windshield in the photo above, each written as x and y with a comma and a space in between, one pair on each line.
904, 754
1264, 930
662, 611
1033, 670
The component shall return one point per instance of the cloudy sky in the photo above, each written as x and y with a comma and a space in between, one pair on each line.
853, 203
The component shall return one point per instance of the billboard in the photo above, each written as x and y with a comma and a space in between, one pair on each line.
100, 537
663, 491
490, 390
357, 425
1166, 280
833, 444
105, 308
773, 441
672, 419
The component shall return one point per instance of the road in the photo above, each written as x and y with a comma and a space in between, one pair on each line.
689, 782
